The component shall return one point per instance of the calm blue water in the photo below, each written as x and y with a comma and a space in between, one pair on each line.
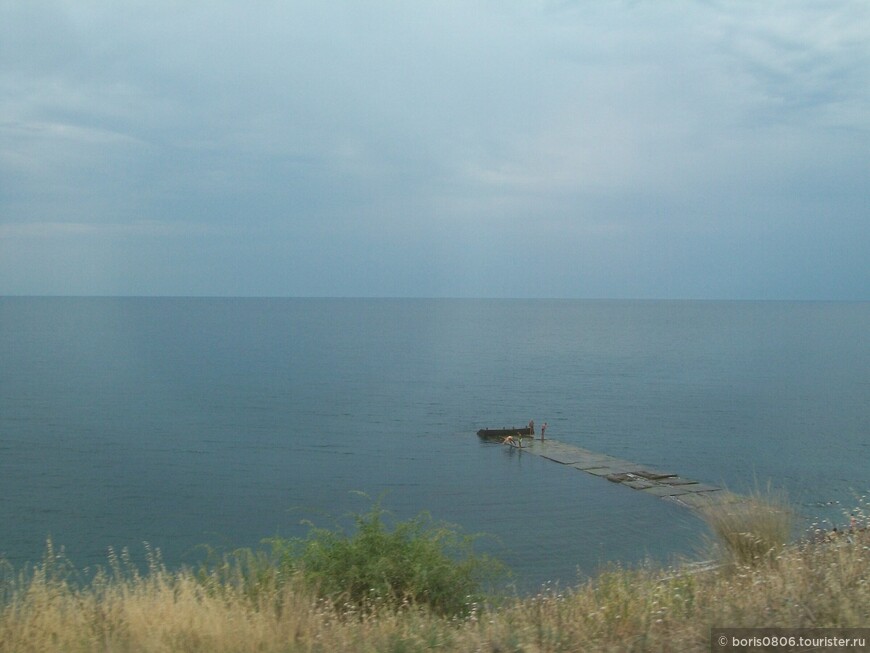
184, 421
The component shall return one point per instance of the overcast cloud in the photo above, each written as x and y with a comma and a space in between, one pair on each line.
457, 149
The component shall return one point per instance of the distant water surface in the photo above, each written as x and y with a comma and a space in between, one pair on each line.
223, 421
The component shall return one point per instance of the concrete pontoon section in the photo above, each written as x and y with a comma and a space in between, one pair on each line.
643, 478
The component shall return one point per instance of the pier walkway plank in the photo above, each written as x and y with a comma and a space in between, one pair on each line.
643, 478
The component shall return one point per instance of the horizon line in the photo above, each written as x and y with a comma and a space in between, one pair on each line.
434, 298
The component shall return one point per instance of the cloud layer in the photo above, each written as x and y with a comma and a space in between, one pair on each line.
435, 149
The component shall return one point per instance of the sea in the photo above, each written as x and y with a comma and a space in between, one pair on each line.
182, 424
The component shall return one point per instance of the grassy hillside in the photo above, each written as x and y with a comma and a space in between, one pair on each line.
272, 602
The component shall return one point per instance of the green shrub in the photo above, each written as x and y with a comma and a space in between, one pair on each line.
418, 562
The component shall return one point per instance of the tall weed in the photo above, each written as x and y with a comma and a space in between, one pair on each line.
752, 529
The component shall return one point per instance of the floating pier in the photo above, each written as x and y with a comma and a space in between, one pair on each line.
642, 478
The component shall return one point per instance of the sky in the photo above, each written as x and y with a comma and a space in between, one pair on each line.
475, 148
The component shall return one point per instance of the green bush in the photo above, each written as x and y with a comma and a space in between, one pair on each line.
418, 562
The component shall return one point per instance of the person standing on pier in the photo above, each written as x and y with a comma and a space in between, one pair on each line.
531, 427
543, 430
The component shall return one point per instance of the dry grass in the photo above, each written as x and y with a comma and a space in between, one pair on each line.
820, 584
753, 529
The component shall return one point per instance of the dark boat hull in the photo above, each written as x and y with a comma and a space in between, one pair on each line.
500, 434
